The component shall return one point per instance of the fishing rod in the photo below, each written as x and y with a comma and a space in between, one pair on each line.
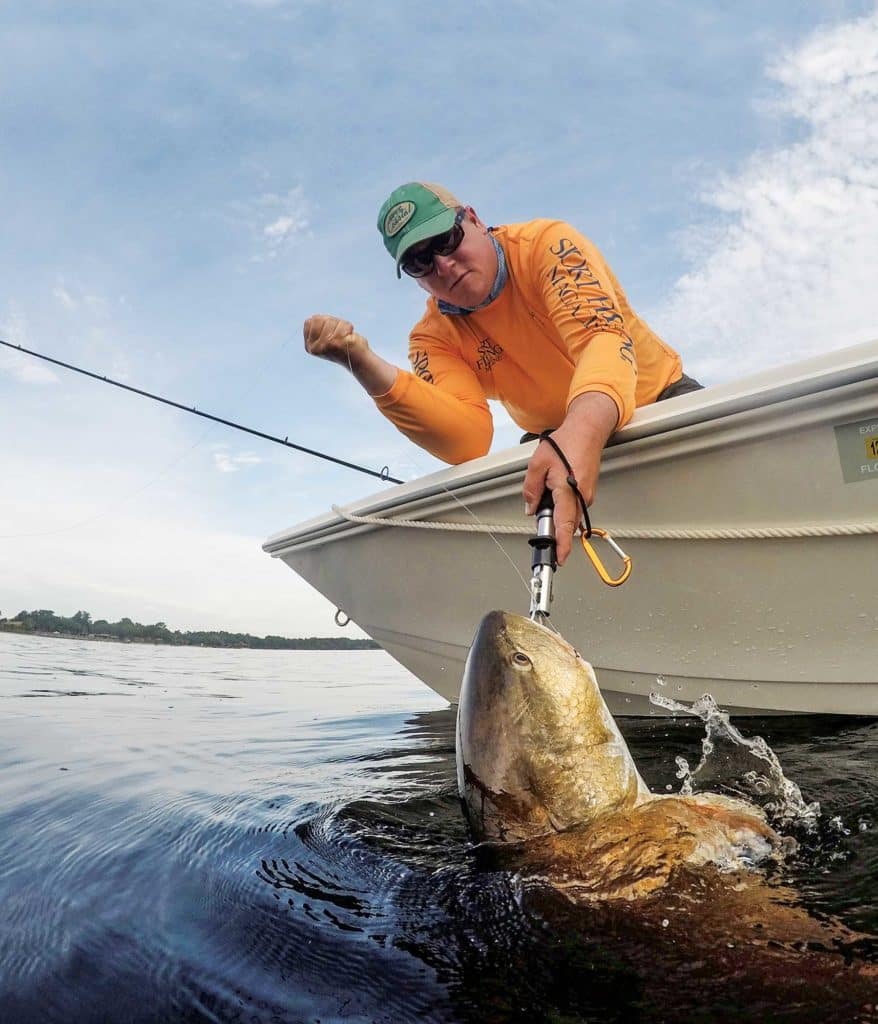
382, 475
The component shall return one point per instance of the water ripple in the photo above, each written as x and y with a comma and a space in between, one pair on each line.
278, 838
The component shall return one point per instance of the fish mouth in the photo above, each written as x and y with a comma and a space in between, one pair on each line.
509, 629
516, 626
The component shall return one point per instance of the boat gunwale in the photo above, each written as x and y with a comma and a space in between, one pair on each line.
689, 422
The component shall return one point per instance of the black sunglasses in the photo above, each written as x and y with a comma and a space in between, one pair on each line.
420, 262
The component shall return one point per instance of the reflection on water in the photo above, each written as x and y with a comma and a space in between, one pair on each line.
275, 836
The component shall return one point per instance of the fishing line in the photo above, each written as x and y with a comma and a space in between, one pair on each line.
382, 475
493, 536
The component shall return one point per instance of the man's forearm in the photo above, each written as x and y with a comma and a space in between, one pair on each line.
375, 374
592, 413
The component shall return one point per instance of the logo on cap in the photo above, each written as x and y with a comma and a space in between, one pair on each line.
397, 217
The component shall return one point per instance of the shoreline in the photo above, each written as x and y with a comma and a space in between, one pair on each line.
304, 644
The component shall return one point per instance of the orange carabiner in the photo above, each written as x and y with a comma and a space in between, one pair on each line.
599, 565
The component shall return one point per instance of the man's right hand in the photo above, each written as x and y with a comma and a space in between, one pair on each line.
335, 339
332, 338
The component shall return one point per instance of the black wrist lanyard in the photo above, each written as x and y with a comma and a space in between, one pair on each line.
571, 480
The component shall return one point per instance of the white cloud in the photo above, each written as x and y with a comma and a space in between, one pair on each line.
73, 536
89, 332
277, 219
182, 573
291, 219
282, 228
21, 367
76, 298
787, 268
226, 463
63, 295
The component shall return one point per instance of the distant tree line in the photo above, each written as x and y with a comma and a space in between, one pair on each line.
81, 624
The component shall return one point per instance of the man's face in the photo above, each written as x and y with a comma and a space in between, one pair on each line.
464, 277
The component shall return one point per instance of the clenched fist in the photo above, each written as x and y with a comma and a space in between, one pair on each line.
335, 339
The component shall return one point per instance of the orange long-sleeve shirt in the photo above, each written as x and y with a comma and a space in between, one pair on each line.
560, 327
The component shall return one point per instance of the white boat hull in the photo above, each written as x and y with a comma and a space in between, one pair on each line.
766, 624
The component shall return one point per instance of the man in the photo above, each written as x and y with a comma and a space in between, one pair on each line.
529, 314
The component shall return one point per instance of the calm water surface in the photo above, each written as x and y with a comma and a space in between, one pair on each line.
202, 835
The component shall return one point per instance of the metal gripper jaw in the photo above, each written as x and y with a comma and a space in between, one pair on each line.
543, 562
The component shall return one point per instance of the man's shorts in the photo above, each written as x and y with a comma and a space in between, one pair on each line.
680, 387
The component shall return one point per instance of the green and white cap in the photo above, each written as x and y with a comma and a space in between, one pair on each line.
413, 212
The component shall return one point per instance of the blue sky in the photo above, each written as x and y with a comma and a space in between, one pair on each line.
182, 184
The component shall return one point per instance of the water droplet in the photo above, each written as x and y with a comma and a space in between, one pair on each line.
665, 922
660, 680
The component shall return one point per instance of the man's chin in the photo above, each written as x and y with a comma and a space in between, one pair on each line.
468, 292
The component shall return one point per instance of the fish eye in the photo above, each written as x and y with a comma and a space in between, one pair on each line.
522, 660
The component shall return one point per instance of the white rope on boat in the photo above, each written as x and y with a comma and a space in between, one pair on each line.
431, 524
744, 533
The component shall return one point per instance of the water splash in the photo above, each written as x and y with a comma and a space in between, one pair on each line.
747, 766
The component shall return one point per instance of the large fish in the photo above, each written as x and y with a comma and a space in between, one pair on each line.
541, 759
546, 777
543, 768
